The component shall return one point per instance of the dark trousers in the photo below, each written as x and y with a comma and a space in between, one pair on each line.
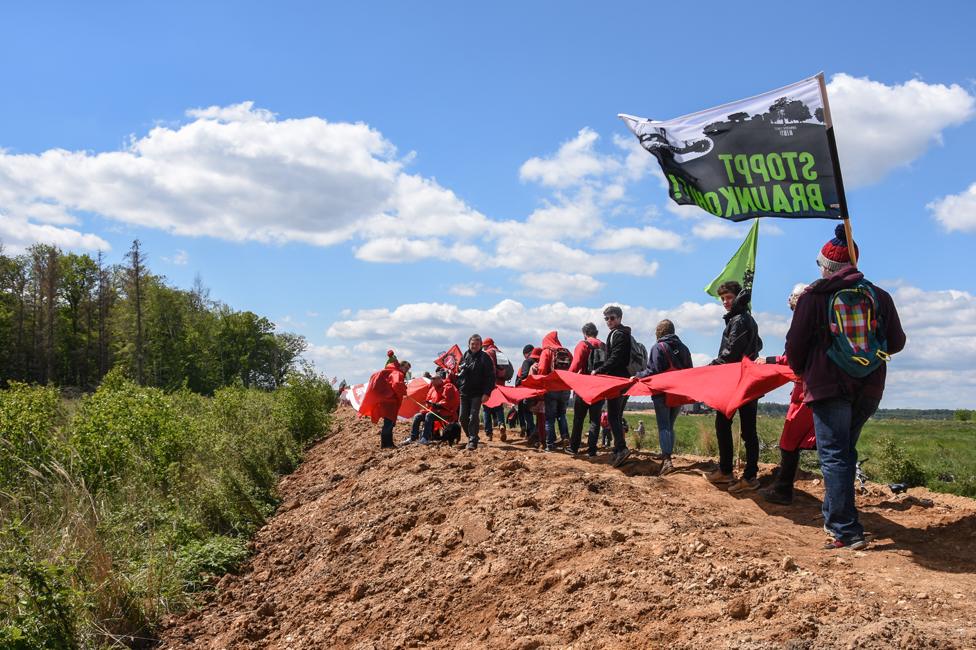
422, 422
723, 431
470, 405
526, 418
580, 412
615, 413
494, 415
386, 434
789, 462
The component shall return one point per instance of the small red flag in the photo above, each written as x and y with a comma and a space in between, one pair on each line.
449, 360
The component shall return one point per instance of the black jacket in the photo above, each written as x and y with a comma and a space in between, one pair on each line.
476, 374
741, 335
524, 370
618, 353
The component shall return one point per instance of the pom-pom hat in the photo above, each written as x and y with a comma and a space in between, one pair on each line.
835, 254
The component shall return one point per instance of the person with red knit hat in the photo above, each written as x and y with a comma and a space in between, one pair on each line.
843, 332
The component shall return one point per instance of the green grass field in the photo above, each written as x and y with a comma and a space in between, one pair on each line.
940, 454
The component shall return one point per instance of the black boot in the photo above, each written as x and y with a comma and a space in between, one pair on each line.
782, 489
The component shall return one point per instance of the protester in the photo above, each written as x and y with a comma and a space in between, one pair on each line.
537, 405
476, 378
587, 355
441, 407
555, 357
384, 394
495, 414
618, 358
740, 339
797, 429
668, 353
526, 418
843, 370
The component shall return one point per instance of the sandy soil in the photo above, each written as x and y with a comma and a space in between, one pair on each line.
505, 547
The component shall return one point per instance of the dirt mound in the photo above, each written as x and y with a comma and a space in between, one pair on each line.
509, 548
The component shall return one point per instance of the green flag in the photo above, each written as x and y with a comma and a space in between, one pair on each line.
742, 266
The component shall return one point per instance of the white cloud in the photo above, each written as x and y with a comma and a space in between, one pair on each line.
550, 286
575, 161
956, 211
181, 258
718, 229
17, 233
471, 289
881, 128
646, 237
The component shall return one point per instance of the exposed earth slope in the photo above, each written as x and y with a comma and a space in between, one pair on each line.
509, 548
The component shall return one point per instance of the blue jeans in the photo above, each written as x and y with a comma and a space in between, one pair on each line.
496, 414
665, 416
838, 422
556, 402
422, 422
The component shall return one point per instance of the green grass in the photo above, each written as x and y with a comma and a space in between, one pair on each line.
944, 450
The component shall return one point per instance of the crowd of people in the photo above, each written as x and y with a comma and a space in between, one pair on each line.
843, 330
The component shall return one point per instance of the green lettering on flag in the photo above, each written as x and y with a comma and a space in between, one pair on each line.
742, 266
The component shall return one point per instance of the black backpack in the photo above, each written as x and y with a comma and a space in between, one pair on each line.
598, 356
673, 355
504, 369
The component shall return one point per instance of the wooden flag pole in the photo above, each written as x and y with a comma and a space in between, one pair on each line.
838, 178
426, 408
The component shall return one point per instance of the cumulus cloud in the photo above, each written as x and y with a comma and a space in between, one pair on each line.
956, 211
574, 161
646, 237
553, 285
883, 127
18, 232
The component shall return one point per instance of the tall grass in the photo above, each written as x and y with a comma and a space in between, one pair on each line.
118, 509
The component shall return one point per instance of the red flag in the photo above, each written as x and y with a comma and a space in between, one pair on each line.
449, 360
724, 387
510, 395
592, 388
416, 398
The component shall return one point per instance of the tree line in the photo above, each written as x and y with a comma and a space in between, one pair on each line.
68, 319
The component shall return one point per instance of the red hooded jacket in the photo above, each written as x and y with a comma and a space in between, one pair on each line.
384, 393
446, 399
549, 346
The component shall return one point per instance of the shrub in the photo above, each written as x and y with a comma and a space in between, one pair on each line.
307, 400
29, 419
897, 467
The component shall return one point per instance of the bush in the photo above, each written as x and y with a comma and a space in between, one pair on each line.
36, 599
29, 420
897, 467
307, 400
963, 415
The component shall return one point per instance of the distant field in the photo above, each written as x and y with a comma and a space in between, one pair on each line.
944, 450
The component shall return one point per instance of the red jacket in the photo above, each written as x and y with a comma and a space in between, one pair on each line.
446, 401
581, 354
492, 351
549, 346
384, 393
798, 432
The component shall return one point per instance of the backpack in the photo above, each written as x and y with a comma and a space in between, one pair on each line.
504, 369
857, 344
598, 356
673, 356
638, 357
562, 359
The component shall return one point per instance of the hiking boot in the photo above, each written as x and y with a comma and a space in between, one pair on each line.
488, 435
718, 477
502, 436
571, 451
407, 440
591, 453
666, 467
471, 445
620, 457
855, 544
424, 441
776, 496
744, 485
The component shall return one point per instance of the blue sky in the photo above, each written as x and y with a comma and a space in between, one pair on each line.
375, 175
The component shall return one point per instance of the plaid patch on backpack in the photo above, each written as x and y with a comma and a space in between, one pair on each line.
857, 344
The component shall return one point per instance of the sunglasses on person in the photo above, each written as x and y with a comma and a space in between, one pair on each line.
609, 318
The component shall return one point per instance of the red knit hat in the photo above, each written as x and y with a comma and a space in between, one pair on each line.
835, 254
